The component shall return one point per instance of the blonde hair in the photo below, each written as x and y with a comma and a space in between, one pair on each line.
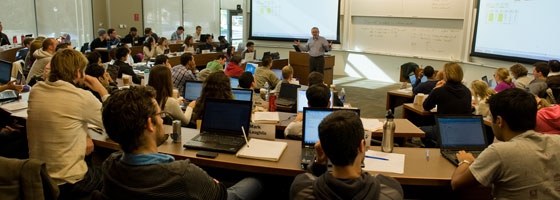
287, 71
480, 90
453, 72
503, 74
65, 64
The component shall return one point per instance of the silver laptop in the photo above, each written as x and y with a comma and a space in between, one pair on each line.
192, 90
460, 132
221, 126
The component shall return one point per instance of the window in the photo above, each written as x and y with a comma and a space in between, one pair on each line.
57, 17
17, 18
163, 16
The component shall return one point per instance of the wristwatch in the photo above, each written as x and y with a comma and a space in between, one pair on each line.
464, 161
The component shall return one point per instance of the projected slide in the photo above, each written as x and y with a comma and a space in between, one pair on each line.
513, 29
293, 19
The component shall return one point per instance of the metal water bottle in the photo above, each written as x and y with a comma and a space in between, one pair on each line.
387, 142
176, 135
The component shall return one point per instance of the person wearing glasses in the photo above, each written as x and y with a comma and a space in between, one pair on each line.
160, 79
139, 171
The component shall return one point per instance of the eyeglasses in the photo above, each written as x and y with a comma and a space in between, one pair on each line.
163, 114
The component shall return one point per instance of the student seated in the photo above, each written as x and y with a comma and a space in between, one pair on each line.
481, 92
216, 86
160, 80
548, 117
121, 55
524, 165
318, 96
250, 48
208, 45
247, 81
149, 48
341, 141
183, 72
139, 171
428, 86
217, 64
188, 44
519, 73
233, 69
97, 71
538, 85
162, 46
263, 74
163, 60
287, 77
503, 79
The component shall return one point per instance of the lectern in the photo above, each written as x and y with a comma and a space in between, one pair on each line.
300, 62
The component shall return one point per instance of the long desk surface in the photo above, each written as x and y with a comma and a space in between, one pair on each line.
435, 171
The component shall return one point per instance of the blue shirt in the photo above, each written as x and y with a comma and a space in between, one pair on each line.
175, 36
316, 47
146, 159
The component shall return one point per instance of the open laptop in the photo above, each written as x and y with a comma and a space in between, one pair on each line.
251, 67
234, 82
192, 90
302, 99
312, 117
490, 82
288, 94
278, 73
221, 126
5, 71
249, 56
242, 94
462, 132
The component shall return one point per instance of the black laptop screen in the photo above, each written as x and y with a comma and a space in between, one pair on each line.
461, 132
226, 116
5, 71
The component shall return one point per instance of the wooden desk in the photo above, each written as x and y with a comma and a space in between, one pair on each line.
418, 170
9, 54
398, 97
300, 62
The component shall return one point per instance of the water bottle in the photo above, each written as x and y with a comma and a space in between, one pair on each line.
266, 87
387, 141
146, 76
14, 40
342, 95
22, 38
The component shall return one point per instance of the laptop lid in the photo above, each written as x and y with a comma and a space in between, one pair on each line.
242, 94
302, 99
192, 90
423, 79
5, 71
226, 116
461, 132
312, 117
234, 82
249, 56
288, 91
250, 67
278, 73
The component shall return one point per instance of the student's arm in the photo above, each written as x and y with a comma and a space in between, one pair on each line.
172, 106
431, 101
462, 177
128, 70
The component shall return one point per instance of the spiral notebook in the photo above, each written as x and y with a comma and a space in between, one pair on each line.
262, 150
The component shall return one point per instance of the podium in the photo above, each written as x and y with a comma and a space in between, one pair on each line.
300, 62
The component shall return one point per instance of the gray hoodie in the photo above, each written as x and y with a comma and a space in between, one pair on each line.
42, 59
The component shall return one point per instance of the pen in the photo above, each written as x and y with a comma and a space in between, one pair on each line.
378, 158
245, 136
427, 155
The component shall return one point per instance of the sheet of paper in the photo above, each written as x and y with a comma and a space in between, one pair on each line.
15, 106
21, 114
393, 164
371, 124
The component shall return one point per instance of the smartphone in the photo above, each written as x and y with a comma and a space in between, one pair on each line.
19, 79
207, 154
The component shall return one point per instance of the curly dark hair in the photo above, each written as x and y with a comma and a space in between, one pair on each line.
216, 86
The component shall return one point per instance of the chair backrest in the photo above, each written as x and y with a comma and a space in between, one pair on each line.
84, 47
27, 179
554, 95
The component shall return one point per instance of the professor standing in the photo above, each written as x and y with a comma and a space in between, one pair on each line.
316, 46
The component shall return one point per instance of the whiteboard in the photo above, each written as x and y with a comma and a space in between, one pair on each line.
446, 9
426, 38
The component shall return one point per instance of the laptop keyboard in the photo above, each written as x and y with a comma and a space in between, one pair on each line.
452, 154
220, 139
285, 102
307, 155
